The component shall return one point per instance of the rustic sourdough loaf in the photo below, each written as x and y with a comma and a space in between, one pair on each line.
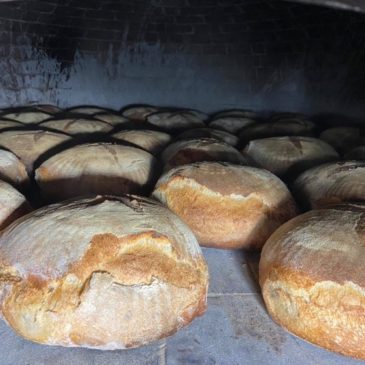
331, 183
225, 205
95, 168
313, 279
13, 170
102, 272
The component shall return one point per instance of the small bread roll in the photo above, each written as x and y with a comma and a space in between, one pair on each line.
195, 150
105, 272
10, 124
209, 133
139, 112
281, 127
77, 126
313, 280
113, 119
226, 206
357, 153
96, 168
172, 121
13, 205
13, 170
151, 141
331, 183
341, 138
87, 110
284, 156
27, 117
29, 145
231, 124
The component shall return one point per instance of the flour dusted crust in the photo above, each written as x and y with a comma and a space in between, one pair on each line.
29, 145
95, 168
313, 281
286, 155
209, 133
113, 119
200, 149
28, 117
77, 126
175, 120
115, 273
12, 204
139, 113
9, 124
88, 110
231, 124
13, 170
151, 141
225, 205
281, 127
331, 183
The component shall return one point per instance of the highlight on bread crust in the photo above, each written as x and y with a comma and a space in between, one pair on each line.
175, 120
225, 205
29, 145
27, 117
203, 149
151, 141
13, 205
95, 168
74, 126
13, 170
209, 133
331, 183
139, 112
285, 156
102, 272
313, 281
231, 124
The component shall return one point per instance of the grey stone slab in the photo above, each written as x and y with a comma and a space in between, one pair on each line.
237, 330
229, 272
16, 351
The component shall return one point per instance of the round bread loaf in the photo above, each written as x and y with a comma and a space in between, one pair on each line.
226, 206
12, 206
113, 119
195, 150
331, 183
240, 113
341, 138
313, 281
209, 133
231, 124
10, 124
201, 115
285, 156
96, 168
357, 153
282, 127
29, 145
77, 126
139, 112
151, 141
87, 110
47, 108
104, 272
13, 170
174, 121
27, 117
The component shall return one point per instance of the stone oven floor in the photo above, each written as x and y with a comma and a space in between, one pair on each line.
236, 330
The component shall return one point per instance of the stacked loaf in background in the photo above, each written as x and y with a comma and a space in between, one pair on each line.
88, 268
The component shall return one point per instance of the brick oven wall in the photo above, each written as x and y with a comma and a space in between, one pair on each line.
208, 54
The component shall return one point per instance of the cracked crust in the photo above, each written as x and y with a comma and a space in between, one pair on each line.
131, 275
225, 205
312, 278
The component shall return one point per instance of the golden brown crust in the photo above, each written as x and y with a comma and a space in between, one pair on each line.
122, 291
226, 206
308, 280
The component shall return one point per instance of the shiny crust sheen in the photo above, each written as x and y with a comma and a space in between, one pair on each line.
225, 205
116, 273
312, 278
